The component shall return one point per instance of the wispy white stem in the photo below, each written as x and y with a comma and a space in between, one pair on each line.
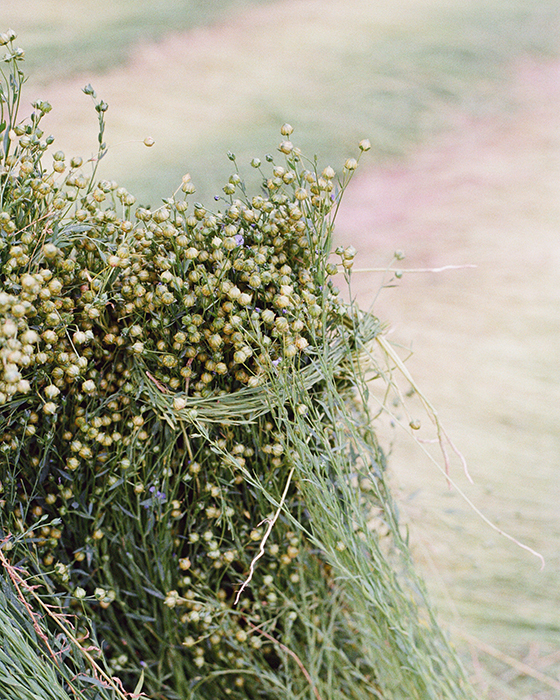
419, 269
442, 434
265, 538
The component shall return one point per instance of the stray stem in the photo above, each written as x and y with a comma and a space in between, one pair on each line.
464, 495
441, 433
519, 666
265, 538
418, 269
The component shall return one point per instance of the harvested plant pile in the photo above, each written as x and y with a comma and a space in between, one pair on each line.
187, 462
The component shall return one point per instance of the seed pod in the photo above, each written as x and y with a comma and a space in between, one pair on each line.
286, 147
364, 145
51, 391
244, 299
179, 402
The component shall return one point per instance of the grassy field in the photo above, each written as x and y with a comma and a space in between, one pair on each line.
338, 71
465, 170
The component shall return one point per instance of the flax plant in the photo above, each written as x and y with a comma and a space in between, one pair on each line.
187, 461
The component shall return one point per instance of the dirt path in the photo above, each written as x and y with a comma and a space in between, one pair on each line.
434, 203
487, 352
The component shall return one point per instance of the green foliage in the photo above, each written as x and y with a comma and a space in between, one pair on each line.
37, 663
187, 461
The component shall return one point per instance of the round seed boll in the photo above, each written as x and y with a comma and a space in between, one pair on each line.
282, 301
364, 145
215, 341
80, 337
51, 391
72, 463
50, 251
169, 361
290, 350
239, 357
286, 147
18, 310
24, 387
281, 324
73, 371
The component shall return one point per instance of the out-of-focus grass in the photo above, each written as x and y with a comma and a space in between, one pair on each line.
63, 38
486, 354
336, 70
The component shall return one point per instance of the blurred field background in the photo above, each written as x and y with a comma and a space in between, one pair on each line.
461, 102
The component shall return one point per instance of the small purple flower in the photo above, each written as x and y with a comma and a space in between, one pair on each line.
239, 240
156, 496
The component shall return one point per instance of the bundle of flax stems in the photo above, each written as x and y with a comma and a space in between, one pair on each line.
193, 499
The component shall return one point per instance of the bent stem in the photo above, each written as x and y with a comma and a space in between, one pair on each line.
291, 653
20, 583
519, 666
